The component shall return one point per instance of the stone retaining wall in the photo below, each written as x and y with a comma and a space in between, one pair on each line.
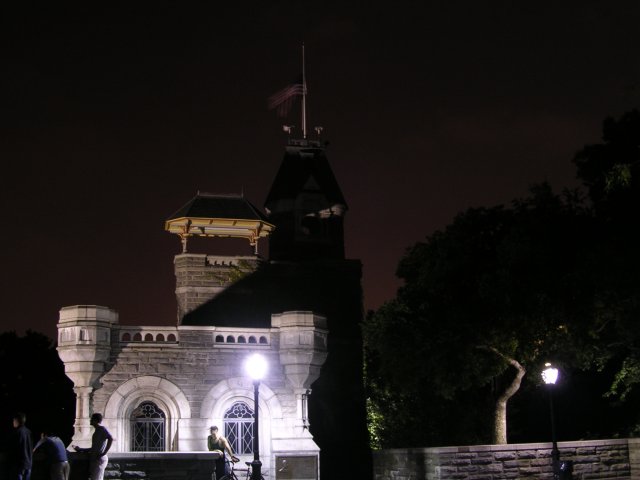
593, 459
149, 466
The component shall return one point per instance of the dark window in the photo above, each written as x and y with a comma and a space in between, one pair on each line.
238, 428
147, 428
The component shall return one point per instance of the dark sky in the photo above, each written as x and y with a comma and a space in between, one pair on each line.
113, 117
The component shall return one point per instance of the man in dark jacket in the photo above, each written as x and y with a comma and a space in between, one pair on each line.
23, 448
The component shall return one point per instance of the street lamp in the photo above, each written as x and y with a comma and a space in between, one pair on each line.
550, 377
256, 367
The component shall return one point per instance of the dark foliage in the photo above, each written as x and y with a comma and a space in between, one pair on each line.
548, 277
32, 380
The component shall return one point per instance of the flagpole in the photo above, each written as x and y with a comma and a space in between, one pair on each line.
304, 98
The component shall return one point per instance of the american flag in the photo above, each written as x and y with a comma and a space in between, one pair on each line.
283, 100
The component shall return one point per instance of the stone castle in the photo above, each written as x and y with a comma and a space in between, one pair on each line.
161, 387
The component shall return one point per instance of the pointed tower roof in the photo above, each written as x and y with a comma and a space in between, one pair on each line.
304, 166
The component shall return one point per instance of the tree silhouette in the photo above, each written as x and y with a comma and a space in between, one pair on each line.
32, 380
502, 289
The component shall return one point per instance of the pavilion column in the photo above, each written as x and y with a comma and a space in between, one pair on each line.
82, 428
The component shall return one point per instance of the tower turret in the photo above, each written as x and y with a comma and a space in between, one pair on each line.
84, 346
200, 277
307, 206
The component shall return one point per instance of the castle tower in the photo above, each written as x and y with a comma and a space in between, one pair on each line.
307, 205
84, 345
307, 255
200, 277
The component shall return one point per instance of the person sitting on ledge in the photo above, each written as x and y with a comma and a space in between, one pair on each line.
218, 444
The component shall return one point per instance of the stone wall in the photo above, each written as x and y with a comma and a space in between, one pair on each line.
150, 466
193, 375
593, 459
201, 277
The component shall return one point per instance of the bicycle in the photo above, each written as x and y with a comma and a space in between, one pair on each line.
230, 475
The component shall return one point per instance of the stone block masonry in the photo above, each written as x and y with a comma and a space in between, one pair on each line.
201, 277
156, 466
592, 460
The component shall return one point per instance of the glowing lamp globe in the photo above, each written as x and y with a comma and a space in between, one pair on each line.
549, 374
256, 366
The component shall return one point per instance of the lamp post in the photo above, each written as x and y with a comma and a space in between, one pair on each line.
256, 367
550, 377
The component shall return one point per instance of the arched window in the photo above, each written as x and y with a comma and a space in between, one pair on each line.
252, 339
148, 337
219, 339
147, 428
263, 340
238, 428
126, 337
160, 338
137, 337
231, 339
171, 338
241, 339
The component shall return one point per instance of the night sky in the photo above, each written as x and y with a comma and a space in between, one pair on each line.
113, 117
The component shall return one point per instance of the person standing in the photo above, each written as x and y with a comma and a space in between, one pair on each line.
219, 444
23, 448
55, 456
100, 444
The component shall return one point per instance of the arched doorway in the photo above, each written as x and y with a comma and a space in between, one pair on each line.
148, 428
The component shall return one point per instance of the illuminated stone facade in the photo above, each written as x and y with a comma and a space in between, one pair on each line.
193, 375
301, 309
